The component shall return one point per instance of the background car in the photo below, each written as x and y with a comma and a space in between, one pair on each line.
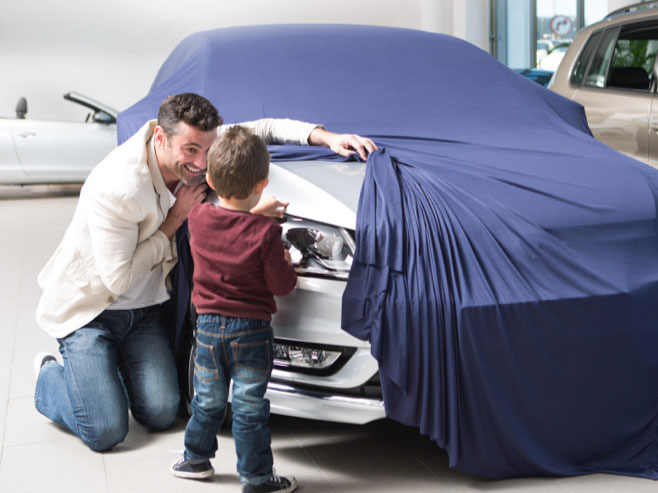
551, 61
610, 68
44, 151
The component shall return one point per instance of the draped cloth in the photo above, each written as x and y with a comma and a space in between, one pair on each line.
506, 267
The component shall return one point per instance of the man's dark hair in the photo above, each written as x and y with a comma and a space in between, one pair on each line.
190, 108
237, 161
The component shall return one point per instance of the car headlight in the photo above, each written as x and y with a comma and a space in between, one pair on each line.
310, 358
319, 249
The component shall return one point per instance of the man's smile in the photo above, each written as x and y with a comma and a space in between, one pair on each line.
193, 169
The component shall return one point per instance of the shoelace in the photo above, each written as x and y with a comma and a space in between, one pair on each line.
275, 476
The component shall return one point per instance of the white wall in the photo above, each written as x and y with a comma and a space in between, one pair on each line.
111, 50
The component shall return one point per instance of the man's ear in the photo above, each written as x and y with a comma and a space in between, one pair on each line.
260, 186
160, 137
209, 182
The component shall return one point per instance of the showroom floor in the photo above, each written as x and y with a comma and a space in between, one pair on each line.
37, 456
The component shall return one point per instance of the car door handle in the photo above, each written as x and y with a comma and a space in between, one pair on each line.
27, 135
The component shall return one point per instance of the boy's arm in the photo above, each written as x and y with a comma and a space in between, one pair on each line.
280, 276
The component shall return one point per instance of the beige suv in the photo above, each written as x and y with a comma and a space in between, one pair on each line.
610, 68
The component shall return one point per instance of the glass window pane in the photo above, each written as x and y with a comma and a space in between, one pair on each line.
633, 59
596, 75
581, 64
556, 27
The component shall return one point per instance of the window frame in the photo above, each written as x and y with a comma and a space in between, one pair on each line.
620, 28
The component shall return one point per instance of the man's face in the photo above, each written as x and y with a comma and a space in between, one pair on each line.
182, 156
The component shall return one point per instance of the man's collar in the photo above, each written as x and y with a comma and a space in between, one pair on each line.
156, 174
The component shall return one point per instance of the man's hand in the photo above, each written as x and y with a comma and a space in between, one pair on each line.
186, 199
268, 205
343, 144
286, 254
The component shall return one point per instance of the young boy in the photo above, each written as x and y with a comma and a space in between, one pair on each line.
239, 264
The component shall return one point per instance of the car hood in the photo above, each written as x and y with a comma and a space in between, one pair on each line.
322, 191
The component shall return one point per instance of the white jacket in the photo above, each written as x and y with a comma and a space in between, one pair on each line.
114, 239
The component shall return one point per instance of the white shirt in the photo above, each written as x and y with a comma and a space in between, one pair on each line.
151, 289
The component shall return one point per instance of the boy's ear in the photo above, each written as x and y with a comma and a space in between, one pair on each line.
260, 186
209, 182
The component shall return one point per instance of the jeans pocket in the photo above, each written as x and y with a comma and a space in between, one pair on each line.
205, 363
253, 360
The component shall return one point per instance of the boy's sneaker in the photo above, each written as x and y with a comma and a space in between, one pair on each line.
183, 469
275, 483
40, 360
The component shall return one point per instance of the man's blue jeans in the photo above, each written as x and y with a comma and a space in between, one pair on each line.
238, 349
121, 358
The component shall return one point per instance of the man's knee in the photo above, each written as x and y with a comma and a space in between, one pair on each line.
105, 436
158, 414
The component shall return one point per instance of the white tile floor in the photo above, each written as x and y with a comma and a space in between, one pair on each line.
37, 456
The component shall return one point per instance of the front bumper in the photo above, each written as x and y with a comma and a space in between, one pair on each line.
322, 405
351, 394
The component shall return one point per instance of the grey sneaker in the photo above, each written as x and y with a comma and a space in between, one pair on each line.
275, 483
40, 360
184, 469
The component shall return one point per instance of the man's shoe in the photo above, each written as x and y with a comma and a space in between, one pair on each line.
183, 469
275, 483
40, 360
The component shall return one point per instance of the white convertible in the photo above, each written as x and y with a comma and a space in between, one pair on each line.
52, 151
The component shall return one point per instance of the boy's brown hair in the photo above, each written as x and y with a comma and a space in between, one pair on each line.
237, 161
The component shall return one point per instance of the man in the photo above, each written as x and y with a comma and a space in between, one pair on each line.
104, 286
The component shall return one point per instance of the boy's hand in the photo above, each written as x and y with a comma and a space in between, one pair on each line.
268, 205
286, 254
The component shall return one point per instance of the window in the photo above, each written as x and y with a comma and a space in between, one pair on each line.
618, 58
601, 60
581, 65
633, 59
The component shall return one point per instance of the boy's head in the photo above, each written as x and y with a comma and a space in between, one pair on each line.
237, 161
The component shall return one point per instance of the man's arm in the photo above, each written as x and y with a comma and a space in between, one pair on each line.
279, 130
285, 131
343, 144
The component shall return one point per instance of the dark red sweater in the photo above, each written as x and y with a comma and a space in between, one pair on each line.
238, 263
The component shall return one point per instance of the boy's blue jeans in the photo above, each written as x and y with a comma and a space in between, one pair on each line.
238, 349
90, 397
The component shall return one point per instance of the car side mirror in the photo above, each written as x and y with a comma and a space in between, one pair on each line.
21, 108
104, 118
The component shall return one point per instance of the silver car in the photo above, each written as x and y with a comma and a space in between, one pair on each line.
53, 151
610, 68
320, 371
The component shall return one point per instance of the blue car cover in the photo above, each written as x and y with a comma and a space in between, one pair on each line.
506, 267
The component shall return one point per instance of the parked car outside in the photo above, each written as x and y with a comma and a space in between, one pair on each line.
541, 77
553, 58
610, 68
54, 151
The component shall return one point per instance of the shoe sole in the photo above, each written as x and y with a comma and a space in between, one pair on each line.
193, 475
291, 488
38, 360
